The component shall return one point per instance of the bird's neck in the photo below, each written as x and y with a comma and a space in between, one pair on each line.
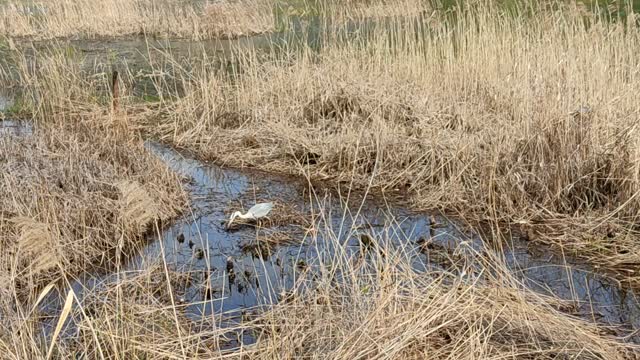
244, 216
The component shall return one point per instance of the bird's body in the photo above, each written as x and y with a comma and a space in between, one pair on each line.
256, 212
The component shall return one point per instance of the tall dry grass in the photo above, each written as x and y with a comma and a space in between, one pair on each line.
527, 118
475, 116
43, 20
76, 199
523, 118
79, 195
363, 305
358, 10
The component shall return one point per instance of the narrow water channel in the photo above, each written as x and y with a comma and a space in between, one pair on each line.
213, 189
238, 272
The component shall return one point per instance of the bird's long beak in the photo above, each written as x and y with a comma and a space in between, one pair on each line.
228, 226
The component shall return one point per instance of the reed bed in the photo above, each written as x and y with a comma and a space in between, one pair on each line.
41, 20
77, 199
357, 10
523, 117
526, 119
341, 305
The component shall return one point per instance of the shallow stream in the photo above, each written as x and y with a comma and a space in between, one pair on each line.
199, 244
212, 189
261, 273
236, 271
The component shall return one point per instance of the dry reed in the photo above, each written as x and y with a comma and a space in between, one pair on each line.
486, 116
42, 20
357, 10
483, 116
526, 119
71, 200
340, 307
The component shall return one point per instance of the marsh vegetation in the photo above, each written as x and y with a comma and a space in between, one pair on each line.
516, 122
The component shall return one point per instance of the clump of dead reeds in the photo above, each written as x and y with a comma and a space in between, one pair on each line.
347, 304
35, 246
425, 319
486, 115
137, 209
87, 19
71, 199
518, 144
341, 305
232, 19
338, 12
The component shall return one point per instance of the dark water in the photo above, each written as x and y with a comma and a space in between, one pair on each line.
213, 188
258, 280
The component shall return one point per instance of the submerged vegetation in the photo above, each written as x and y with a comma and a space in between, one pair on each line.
522, 120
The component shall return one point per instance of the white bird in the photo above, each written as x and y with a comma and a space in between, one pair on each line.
256, 212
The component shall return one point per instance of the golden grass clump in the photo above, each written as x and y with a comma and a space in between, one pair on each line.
36, 245
74, 200
397, 313
341, 11
137, 209
89, 19
131, 317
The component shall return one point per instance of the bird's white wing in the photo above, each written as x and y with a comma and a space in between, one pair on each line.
260, 210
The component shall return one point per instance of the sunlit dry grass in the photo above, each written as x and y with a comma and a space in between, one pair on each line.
66, 207
232, 19
357, 10
527, 121
519, 119
89, 19
366, 305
